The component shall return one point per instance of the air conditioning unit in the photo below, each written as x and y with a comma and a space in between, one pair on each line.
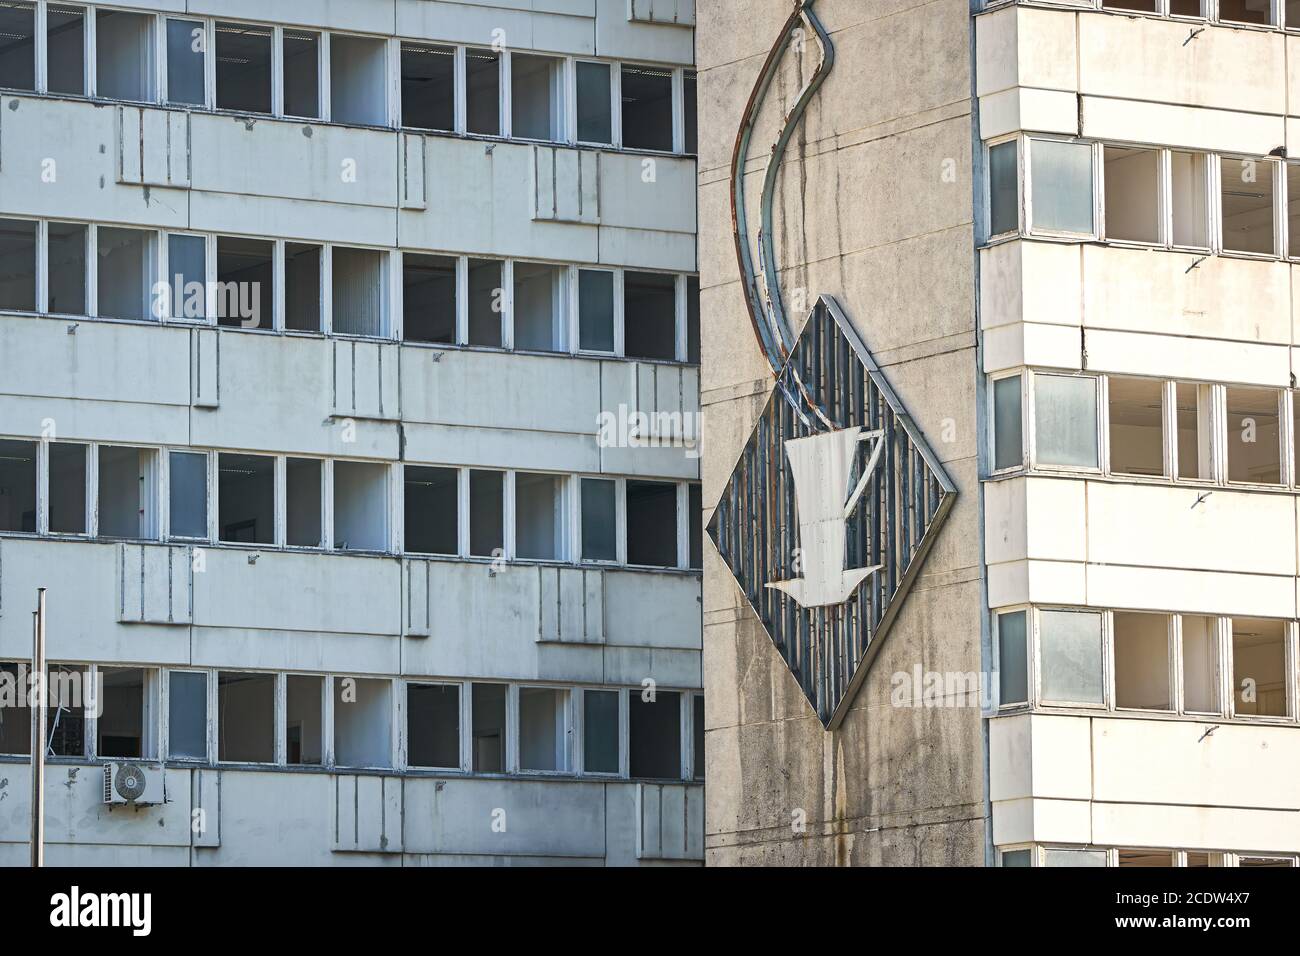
133, 783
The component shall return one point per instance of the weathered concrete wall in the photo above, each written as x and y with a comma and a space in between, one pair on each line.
874, 208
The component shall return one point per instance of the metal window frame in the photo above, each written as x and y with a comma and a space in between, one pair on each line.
1026, 155
1031, 422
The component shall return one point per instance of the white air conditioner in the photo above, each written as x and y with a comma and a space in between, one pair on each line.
133, 783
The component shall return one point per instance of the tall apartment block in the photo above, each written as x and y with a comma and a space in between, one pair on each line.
1040, 259
348, 389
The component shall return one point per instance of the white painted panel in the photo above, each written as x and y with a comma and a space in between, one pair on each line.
1187, 126
1138, 353
206, 797
1193, 592
617, 37
153, 584
367, 814
671, 822
1196, 827
1025, 108
566, 185
474, 21
654, 609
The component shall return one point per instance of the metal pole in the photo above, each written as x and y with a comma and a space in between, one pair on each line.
38, 706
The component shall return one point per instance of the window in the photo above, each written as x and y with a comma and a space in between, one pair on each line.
649, 316
1186, 8
303, 480
67, 494
429, 298
1136, 409
483, 92
304, 698
1055, 857
186, 42
489, 727
245, 717
246, 498
432, 510
1204, 859
243, 68
1132, 178
358, 80
187, 715
539, 306
1246, 11
655, 735
485, 302
1193, 418
18, 52
246, 282
1272, 862
125, 273
189, 495
536, 96
691, 119
1144, 858
360, 506
693, 319
1200, 664
652, 523
302, 74
358, 282
1254, 436
18, 486
187, 267
697, 732
595, 103
1004, 199
1293, 205
428, 86
1061, 198
486, 513
433, 725
127, 479
302, 287
600, 731
18, 265
1065, 420
1016, 858
595, 310
695, 522
1259, 676
1008, 440
543, 729
363, 722
599, 523
1013, 666
647, 108
16, 719
66, 275
1190, 199
1142, 6
1070, 655
65, 49
539, 517
68, 692
1142, 661
1246, 190
124, 55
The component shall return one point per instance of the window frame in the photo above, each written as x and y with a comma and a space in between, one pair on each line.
1030, 421
1026, 160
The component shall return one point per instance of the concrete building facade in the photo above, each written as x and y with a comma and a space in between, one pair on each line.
1066, 233
348, 412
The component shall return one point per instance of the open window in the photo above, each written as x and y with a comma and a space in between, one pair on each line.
1004, 194
360, 506
188, 492
432, 510
1193, 417
18, 486
124, 55
1190, 199
486, 513
359, 291
245, 294
647, 108
244, 67
429, 298
1144, 858
1200, 640
488, 706
1258, 12
358, 80
187, 715
433, 726
1013, 658
126, 268
67, 487
1065, 420
537, 96
652, 523
1008, 431
302, 287
1259, 673
595, 103
539, 306
18, 265
303, 703
128, 481
486, 293
186, 43
1254, 436
655, 734
1246, 190
246, 498
363, 722
1070, 657
483, 92
302, 507
1136, 407
600, 733
540, 530
15, 719
1142, 661
543, 729
18, 47
650, 315
1132, 178
187, 277
125, 719
66, 273
245, 717
67, 694
302, 74
428, 86
599, 519
1061, 178
65, 49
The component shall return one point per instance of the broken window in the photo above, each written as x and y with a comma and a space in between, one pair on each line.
358, 283
304, 697
1008, 437
433, 725
539, 517
428, 298
1136, 409
244, 67
485, 302
483, 92
543, 729
649, 315
489, 727
302, 506
652, 523
1004, 213
1070, 646
647, 108
1142, 661
125, 273
695, 520
302, 74
67, 694
18, 46
18, 265
1013, 666
1193, 416
691, 109
358, 80
1065, 420
124, 55
1259, 677
18, 486
363, 721
1132, 178
539, 306
599, 521
428, 86
595, 310
1190, 199
67, 492
1254, 436
486, 513
1061, 198
600, 731
301, 287
1246, 190
693, 319
65, 49
432, 510
246, 498
360, 506
697, 725
127, 482
187, 715
66, 276
595, 103
15, 717
245, 717
655, 734
1200, 664
245, 282
1246, 11
187, 267
185, 45
189, 494
124, 714
536, 96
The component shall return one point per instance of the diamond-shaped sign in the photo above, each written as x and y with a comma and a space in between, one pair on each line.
830, 511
